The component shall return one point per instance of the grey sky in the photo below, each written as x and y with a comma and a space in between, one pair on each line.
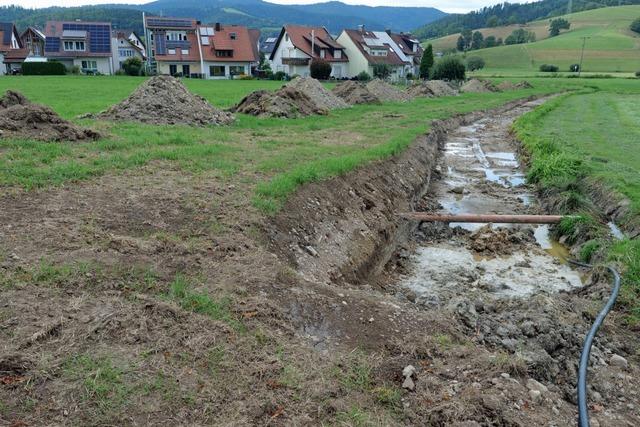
447, 6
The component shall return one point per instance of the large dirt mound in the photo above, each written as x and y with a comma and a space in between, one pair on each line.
165, 100
355, 93
478, 86
506, 85
431, 88
287, 102
320, 96
386, 92
19, 118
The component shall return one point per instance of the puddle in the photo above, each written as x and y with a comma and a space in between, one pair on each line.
526, 199
505, 178
615, 231
551, 246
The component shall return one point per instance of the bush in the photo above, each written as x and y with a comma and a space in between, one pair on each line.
574, 68
475, 63
548, 68
363, 76
74, 70
43, 69
132, 66
449, 68
280, 75
635, 26
409, 76
381, 71
320, 69
637, 73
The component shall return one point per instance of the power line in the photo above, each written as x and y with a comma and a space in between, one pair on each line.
584, 42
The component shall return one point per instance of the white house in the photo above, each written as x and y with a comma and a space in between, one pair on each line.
126, 44
12, 52
296, 46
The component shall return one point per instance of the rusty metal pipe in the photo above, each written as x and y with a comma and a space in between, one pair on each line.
494, 219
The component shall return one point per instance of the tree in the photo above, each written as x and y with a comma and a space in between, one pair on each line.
493, 21
475, 63
132, 66
558, 24
499, 42
426, 63
477, 40
635, 26
467, 35
449, 68
460, 44
381, 71
490, 42
320, 69
363, 76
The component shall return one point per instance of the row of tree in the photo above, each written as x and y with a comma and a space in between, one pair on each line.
476, 40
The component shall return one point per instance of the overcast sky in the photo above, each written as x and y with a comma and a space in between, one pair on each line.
446, 5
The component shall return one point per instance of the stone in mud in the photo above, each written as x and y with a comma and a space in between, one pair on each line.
537, 386
619, 361
409, 384
535, 396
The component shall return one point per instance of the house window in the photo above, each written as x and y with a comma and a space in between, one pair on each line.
125, 53
173, 69
185, 51
171, 51
224, 53
286, 37
89, 66
186, 70
233, 36
217, 71
73, 46
176, 36
337, 54
236, 70
323, 53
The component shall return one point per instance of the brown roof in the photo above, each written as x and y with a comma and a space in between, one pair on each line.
7, 29
254, 34
358, 36
16, 55
192, 56
302, 39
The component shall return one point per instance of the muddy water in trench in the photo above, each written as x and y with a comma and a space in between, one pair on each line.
481, 174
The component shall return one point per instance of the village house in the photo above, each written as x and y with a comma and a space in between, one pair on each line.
126, 44
12, 52
34, 41
368, 49
411, 48
86, 45
181, 46
297, 46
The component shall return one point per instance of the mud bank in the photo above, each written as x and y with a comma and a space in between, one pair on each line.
346, 229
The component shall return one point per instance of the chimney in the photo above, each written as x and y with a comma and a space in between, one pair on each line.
388, 31
361, 28
218, 26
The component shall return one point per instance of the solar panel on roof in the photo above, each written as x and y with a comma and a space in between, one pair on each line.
99, 35
175, 23
52, 44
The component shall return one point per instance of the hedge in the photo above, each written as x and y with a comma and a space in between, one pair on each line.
43, 69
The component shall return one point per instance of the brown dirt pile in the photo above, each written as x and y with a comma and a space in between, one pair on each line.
287, 102
164, 100
506, 85
478, 86
320, 96
19, 118
355, 93
386, 92
500, 241
431, 88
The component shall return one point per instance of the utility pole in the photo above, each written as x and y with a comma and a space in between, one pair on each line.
584, 42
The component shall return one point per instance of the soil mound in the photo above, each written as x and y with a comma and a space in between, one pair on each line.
386, 92
514, 86
320, 96
501, 241
355, 93
478, 86
19, 118
287, 102
431, 88
164, 100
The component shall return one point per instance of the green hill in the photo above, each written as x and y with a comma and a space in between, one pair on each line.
610, 47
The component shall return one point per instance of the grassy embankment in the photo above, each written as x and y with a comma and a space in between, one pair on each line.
275, 155
610, 48
591, 138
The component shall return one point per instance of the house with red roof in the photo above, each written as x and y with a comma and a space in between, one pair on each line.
185, 47
368, 49
297, 46
12, 52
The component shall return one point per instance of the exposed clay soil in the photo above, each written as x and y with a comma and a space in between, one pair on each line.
19, 118
431, 88
478, 86
287, 102
165, 100
318, 94
386, 92
321, 291
355, 93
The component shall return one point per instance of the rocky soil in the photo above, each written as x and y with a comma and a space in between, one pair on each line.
19, 118
318, 94
287, 102
386, 92
165, 100
355, 93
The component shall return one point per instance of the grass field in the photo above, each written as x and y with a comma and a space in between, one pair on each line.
611, 46
594, 136
279, 154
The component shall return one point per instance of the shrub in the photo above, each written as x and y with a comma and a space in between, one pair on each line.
363, 76
426, 62
320, 69
548, 68
637, 73
475, 63
409, 76
574, 68
43, 69
635, 26
449, 68
381, 71
132, 66
280, 75
74, 69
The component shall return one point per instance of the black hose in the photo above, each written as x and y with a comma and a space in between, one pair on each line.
583, 412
